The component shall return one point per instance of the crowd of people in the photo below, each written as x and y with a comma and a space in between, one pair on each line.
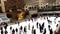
41, 25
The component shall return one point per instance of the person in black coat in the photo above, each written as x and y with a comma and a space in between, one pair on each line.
51, 32
49, 27
34, 31
1, 30
6, 32
25, 30
21, 28
10, 28
44, 31
40, 28
37, 24
16, 30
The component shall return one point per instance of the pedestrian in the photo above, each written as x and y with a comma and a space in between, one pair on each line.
44, 31
37, 24
1, 30
34, 31
13, 31
25, 30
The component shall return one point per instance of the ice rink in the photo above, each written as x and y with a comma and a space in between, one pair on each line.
40, 20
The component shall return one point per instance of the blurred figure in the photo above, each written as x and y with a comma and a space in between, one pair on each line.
21, 29
40, 28
44, 31
37, 24
16, 31
29, 26
13, 31
34, 31
1, 30
57, 25
6, 32
25, 30
51, 32
49, 27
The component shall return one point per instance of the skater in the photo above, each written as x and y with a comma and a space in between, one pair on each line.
34, 31
40, 27
16, 31
6, 32
44, 31
49, 27
21, 29
25, 30
29, 26
1, 30
37, 24
13, 31
51, 32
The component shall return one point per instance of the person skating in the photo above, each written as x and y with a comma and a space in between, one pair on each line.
16, 31
51, 32
37, 24
29, 26
21, 29
40, 28
13, 31
25, 30
44, 31
1, 30
34, 31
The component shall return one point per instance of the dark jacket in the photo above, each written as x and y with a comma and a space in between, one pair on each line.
25, 29
34, 31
